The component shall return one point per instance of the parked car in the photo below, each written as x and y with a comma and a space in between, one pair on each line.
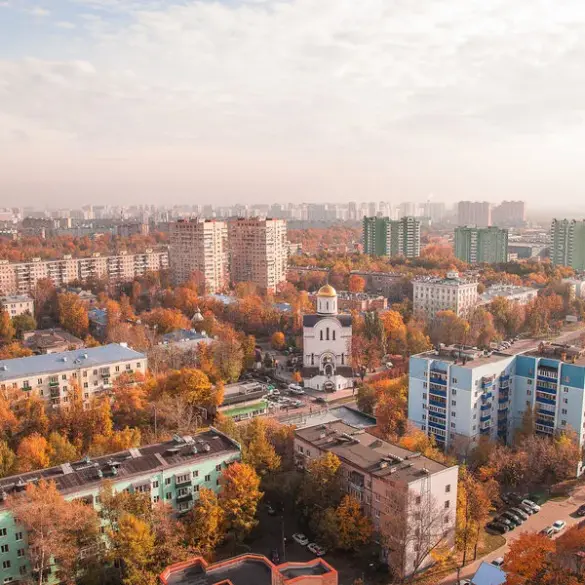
513, 517
274, 392
532, 505
581, 510
548, 531
515, 498
558, 526
296, 389
498, 527
274, 556
317, 550
320, 400
505, 521
498, 562
527, 509
300, 539
520, 513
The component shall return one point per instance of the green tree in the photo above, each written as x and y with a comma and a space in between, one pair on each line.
24, 322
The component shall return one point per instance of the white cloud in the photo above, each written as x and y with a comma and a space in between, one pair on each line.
393, 86
65, 24
38, 11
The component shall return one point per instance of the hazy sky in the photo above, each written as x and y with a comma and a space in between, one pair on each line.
306, 100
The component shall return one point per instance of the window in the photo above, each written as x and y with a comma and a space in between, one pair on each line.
137, 364
424, 417
167, 481
85, 373
565, 389
18, 536
3, 531
208, 478
454, 392
95, 372
127, 366
528, 403
418, 500
474, 427
22, 570
446, 520
39, 381
448, 488
563, 423
529, 381
453, 402
6, 565
333, 334
453, 425
4, 548
424, 396
321, 335
64, 377
565, 401
424, 384
155, 483
529, 392
168, 496
564, 411
85, 385
447, 504
182, 492
453, 414
218, 467
454, 380
217, 481
156, 499
117, 368
185, 477
20, 552
195, 474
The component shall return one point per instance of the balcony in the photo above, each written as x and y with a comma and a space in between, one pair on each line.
28, 387
486, 396
544, 422
503, 399
545, 400
436, 380
504, 378
486, 406
436, 425
182, 482
440, 414
485, 418
185, 497
53, 384
442, 393
437, 403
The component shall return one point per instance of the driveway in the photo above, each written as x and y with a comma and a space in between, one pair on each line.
550, 511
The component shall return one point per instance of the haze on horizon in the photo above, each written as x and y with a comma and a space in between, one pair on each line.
170, 101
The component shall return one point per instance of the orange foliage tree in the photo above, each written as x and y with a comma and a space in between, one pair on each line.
73, 315
356, 283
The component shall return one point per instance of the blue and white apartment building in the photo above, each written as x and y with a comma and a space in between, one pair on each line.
457, 394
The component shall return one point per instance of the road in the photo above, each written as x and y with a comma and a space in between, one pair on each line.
549, 513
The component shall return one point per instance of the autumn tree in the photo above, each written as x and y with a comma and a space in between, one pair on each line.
73, 315
14, 350
33, 453
529, 559
356, 284
239, 497
132, 545
322, 483
191, 383
278, 340
258, 452
56, 529
7, 330
395, 332
482, 329
205, 523
416, 339
229, 357
448, 328
165, 320
508, 316
60, 450
391, 408
7, 460
353, 528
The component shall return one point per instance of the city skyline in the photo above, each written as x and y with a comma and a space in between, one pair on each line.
248, 100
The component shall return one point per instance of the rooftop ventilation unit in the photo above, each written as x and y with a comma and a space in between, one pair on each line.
66, 468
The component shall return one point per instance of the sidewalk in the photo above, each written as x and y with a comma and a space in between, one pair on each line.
550, 511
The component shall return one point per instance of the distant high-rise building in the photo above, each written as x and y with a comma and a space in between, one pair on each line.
476, 245
567, 243
385, 237
199, 248
258, 252
406, 209
372, 208
509, 214
474, 213
352, 211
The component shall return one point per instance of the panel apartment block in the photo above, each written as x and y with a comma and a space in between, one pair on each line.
258, 252
198, 248
172, 472
22, 277
431, 295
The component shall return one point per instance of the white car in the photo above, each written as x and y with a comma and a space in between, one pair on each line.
530, 504
300, 539
558, 526
274, 392
317, 550
296, 389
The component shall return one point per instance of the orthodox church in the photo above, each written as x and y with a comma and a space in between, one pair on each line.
327, 345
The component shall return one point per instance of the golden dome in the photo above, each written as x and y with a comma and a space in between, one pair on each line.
327, 291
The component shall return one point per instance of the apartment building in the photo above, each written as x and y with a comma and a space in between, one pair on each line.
172, 472
385, 237
457, 394
519, 295
398, 489
509, 214
50, 375
477, 213
476, 245
258, 252
21, 278
567, 243
249, 569
198, 247
452, 293
16, 305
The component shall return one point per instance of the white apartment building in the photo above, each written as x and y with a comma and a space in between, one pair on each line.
50, 375
199, 247
410, 499
21, 278
519, 295
457, 394
16, 305
452, 293
258, 252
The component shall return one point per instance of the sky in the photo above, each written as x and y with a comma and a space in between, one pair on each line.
241, 101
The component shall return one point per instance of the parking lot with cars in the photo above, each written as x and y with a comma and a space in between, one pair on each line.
553, 518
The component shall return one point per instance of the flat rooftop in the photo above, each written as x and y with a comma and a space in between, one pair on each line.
367, 452
465, 356
247, 569
53, 363
348, 413
140, 461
